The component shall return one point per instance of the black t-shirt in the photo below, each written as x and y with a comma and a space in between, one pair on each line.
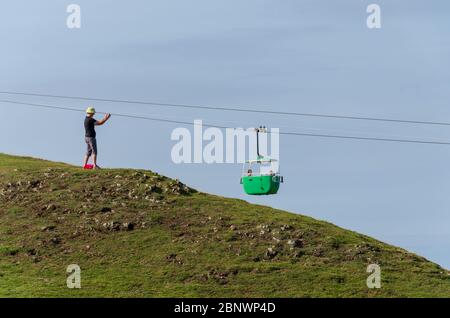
89, 126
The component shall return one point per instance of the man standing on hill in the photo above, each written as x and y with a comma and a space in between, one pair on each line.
90, 137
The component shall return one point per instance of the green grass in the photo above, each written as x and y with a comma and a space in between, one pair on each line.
182, 243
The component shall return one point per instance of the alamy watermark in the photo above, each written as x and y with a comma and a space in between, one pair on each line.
374, 19
73, 20
74, 278
374, 279
215, 145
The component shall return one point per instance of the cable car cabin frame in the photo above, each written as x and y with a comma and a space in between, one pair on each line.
263, 182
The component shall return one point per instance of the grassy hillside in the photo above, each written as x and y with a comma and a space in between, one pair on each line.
139, 234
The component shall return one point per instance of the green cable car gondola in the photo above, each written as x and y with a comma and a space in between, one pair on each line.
261, 176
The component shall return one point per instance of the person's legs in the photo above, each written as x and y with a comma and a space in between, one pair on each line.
86, 159
96, 166
94, 152
88, 151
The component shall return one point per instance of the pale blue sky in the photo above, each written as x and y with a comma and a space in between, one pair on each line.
308, 56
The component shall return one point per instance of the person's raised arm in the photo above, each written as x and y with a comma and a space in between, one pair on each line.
104, 120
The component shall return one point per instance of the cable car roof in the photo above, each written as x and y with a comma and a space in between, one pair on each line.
261, 160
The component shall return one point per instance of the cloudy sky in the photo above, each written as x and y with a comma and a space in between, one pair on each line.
297, 56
